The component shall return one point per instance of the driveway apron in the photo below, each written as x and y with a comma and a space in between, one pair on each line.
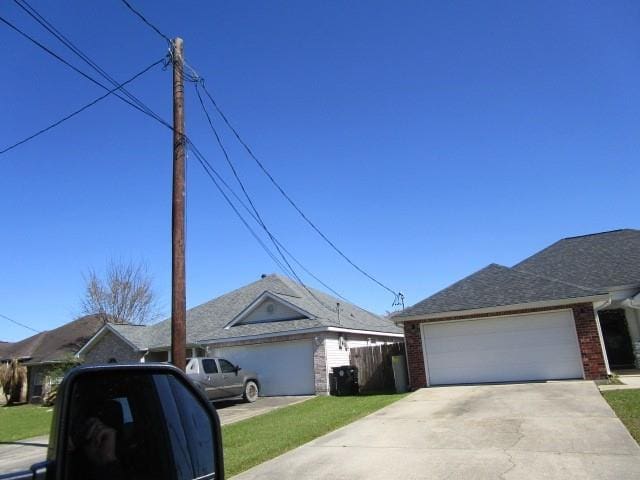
555, 430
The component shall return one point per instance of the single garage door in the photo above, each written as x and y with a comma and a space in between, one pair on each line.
502, 349
283, 368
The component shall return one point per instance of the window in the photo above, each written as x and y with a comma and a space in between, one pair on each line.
209, 365
226, 366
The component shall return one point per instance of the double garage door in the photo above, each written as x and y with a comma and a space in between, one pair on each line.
502, 349
283, 368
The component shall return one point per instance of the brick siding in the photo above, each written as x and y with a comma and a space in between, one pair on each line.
108, 347
586, 328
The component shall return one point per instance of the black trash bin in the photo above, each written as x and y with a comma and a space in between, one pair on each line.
344, 380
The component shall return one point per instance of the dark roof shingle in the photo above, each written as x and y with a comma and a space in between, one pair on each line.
207, 321
494, 286
598, 261
54, 345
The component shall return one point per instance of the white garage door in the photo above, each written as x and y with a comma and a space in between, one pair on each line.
502, 349
283, 368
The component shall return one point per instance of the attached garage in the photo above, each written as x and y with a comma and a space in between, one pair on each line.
540, 346
283, 368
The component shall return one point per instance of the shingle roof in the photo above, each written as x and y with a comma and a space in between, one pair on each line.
207, 321
494, 286
600, 260
54, 345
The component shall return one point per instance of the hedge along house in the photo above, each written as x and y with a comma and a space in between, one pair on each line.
568, 311
289, 335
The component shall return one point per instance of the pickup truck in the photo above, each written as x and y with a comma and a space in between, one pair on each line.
219, 379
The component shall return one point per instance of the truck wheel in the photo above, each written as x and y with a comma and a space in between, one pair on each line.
250, 391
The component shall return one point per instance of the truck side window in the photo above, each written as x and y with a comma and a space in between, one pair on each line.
209, 365
226, 366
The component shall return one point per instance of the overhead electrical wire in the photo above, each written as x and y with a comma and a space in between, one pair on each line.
81, 109
144, 19
33, 13
397, 295
80, 72
136, 103
20, 324
194, 77
256, 214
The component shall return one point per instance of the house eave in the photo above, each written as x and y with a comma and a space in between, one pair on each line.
502, 308
287, 333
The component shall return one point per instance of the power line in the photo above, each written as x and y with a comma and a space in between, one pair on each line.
254, 211
144, 19
206, 165
288, 198
80, 110
142, 107
33, 13
80, 72
20, 324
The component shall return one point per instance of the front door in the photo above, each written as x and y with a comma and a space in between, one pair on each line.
617, 341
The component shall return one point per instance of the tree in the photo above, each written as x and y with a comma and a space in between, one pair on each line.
12, 378
124, 295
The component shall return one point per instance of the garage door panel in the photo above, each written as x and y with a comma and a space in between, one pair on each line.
525, 339
525, 347
283, 368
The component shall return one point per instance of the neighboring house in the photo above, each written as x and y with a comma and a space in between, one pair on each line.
288, 335
43, 351
548, 317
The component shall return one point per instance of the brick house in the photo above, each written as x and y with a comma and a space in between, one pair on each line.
571, 310
42, 352
289, 335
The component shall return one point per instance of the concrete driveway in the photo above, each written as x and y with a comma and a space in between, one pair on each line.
556, 430
234, 411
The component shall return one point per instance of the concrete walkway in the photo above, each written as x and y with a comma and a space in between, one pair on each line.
556, 430
630, 379
20, 455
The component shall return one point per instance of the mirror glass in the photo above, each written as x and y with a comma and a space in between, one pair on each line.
137, 425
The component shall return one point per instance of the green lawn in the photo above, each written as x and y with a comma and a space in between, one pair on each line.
255, 440
626, 404
24, 421
246, 443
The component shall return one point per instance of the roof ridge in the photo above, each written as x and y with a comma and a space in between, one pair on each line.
601, 233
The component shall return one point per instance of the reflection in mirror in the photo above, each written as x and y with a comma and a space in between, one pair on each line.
137, 425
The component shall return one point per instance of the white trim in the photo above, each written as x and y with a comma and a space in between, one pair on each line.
423, 339
503, 308
295, 332
365, 332
604, 350
266, 294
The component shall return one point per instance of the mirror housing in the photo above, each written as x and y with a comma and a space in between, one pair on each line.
120, 421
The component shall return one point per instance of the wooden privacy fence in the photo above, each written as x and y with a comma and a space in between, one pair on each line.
375, 373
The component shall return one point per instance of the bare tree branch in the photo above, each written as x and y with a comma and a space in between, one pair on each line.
125, 295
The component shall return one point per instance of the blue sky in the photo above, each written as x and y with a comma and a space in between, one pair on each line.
427, 139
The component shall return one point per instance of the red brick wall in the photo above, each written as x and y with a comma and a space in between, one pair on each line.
583, 314
415, 357
590, 347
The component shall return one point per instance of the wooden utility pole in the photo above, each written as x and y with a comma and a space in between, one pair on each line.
178, 290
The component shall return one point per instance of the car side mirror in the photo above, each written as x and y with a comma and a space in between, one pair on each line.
131, 421
237, 369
